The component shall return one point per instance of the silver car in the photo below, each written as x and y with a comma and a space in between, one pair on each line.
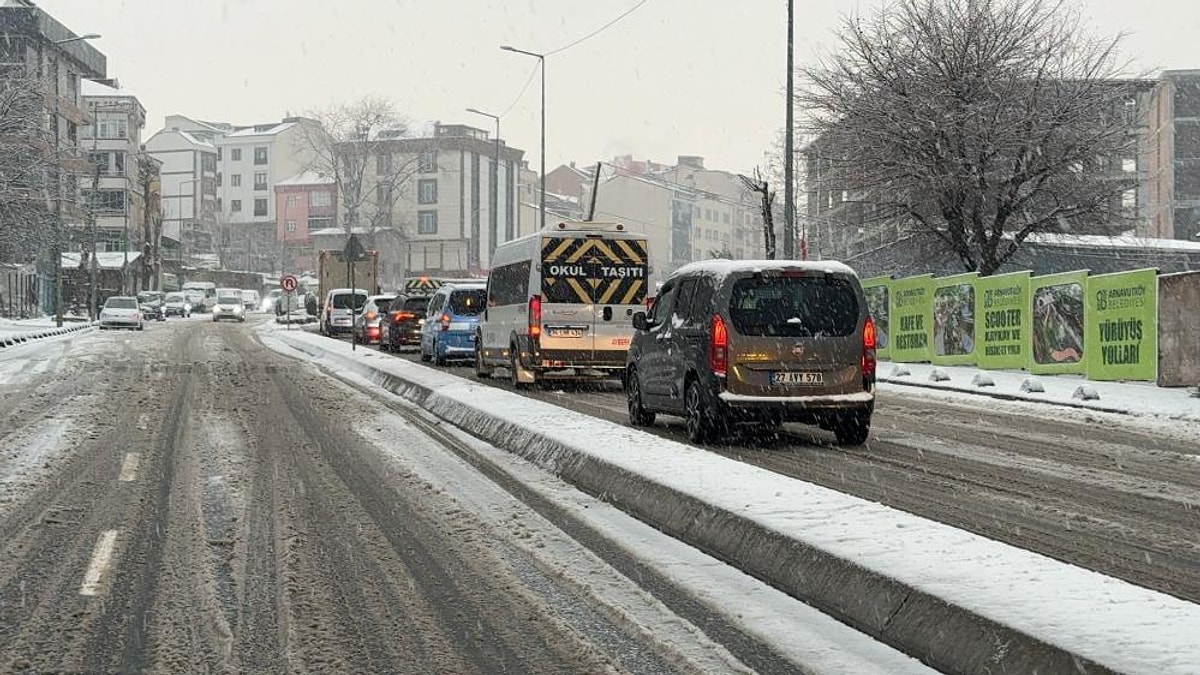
121, 311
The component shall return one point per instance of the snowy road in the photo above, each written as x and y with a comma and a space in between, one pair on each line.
184, 500
1088, 489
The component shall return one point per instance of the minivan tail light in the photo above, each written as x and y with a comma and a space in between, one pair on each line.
535, 317
718, 347
445, 321
869, 343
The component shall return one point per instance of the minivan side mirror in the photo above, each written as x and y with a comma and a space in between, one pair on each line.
641, 321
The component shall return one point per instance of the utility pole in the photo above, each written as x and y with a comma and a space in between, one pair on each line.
789, 213
542, 65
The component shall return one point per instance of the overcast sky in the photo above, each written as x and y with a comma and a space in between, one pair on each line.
690, 77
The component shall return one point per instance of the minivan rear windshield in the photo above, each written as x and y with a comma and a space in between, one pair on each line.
344, 301
468, 303
794, 307
121, 303
416, 305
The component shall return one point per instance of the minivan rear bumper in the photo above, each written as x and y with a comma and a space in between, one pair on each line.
804, 402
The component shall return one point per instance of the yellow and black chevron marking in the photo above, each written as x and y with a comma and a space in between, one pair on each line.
592, 270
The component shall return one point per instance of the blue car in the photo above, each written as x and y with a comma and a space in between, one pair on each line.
450, 321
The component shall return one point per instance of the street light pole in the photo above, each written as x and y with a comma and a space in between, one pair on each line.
58, 225
789, 211
542, 65
493, 235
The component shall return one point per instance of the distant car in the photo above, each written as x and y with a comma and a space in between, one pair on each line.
763, 342
251, 300
402, 326
341, 307
229, 305
151, 304
176, 304
450, 323
268, 303
121, 311
367, 328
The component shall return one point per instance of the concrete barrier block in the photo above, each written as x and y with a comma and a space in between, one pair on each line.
1032, 385
939, 375
900, 371
1086, 392
983, 380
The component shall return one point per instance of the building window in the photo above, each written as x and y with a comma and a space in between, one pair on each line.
208, 163
218, 203
383, 164
113, 128
290, 226
260, 155
427, 162
319, 223
109, 163
260, 181
427, 222
320, 198
218, 179
107, 201
293, 201
235, 179
218, 154
427, 191
235, 154
725, 217
260, 207
235, 205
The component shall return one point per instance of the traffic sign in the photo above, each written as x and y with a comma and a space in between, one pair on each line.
289, 283
354, 249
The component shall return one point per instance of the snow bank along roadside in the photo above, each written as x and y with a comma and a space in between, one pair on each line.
22, 334
1129, 398
960, 602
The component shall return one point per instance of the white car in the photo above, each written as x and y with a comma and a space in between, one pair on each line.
121, 311
342, 305
229, 305
251, 300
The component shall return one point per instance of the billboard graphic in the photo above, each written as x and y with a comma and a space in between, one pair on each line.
1122, 326
954, 319
1004, 325
1057, 336
877, 291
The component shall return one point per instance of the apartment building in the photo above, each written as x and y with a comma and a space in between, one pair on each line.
113, 142
45, 61
444, 208
688, 213
1170, 158
304, 204
189, 192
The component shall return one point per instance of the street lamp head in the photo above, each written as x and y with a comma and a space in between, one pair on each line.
77, 38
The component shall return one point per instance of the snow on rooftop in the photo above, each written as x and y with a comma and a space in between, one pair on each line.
93, 88
255, 131
105, 260
1121, 241
308, 177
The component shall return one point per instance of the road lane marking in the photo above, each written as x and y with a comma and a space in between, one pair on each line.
101, 561
129, 467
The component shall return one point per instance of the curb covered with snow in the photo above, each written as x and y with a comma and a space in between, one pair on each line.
16, 338
960, 602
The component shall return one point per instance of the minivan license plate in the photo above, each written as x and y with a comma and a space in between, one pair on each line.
797, 378
565, 331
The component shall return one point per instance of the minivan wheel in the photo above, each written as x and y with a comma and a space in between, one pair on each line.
701, 425
852, 427
638, 415
514, 367
481, 370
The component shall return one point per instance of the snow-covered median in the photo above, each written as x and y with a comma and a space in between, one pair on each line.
13, 333
961, 602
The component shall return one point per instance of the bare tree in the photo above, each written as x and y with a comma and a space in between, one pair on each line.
25, 160
974, 122
760, 186
355, 145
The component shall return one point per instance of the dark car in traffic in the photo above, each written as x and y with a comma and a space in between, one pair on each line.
153, 305
755, 342
402, 326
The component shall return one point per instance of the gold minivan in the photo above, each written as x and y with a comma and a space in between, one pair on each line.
731, 342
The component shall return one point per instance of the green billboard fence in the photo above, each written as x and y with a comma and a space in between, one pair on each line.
1004, 325
877, 290
909, 308
1121, 326
1105, 326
